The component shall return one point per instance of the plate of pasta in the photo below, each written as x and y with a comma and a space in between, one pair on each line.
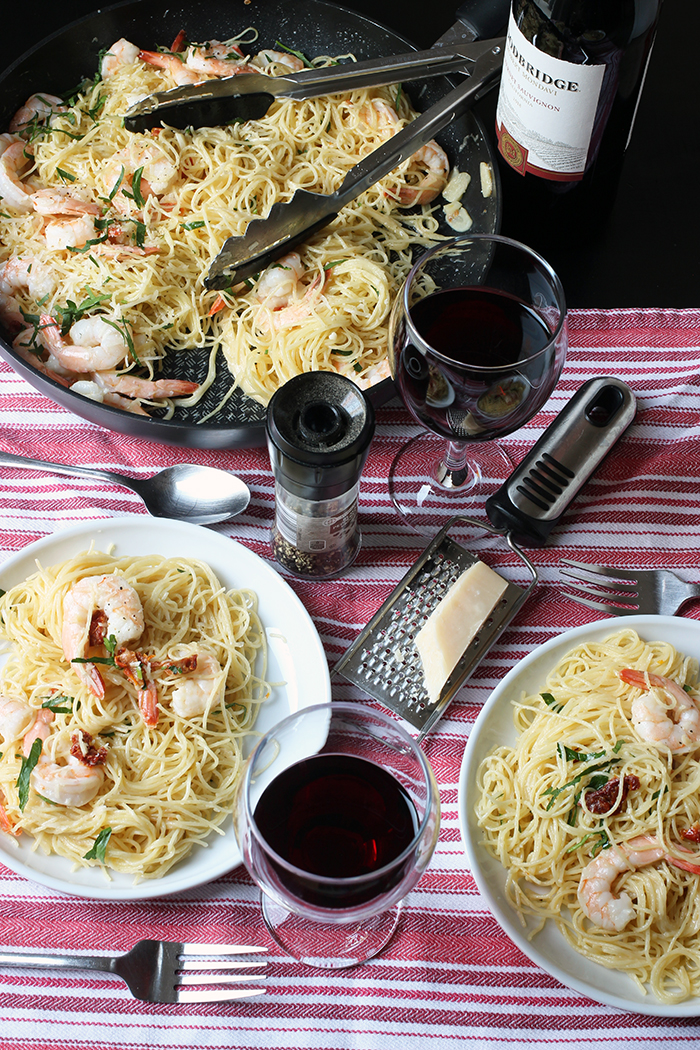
106, 235
579, 809
140, 663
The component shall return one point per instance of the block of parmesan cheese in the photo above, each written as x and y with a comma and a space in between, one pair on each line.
455, 621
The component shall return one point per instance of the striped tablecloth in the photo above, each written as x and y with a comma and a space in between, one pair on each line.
450, 976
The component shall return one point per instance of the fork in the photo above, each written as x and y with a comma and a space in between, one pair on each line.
152, 969
628, 591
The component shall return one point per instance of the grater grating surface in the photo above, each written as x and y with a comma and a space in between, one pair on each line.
383, 660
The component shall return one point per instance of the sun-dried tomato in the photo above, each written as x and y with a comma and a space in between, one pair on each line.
83, 748
602, 800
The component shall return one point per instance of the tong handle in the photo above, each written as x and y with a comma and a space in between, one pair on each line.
484, 18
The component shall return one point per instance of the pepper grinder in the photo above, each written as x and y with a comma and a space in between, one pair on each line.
319, 428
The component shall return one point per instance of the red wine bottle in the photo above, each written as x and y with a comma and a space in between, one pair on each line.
573, 73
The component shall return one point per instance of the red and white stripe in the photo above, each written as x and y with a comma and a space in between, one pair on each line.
450, 977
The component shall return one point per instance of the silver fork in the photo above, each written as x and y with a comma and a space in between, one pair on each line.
628, 591
153, 969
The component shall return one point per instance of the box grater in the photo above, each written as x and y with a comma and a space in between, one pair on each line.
383, 660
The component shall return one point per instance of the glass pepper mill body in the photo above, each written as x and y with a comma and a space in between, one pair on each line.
319, 428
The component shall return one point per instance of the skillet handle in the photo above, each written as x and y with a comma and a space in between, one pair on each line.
484, 18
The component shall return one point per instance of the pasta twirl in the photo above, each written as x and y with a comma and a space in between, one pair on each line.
584, 787
164, 787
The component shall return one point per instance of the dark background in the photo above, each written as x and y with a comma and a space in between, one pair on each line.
646, 252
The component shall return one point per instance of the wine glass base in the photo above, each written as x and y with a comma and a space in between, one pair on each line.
426, 493
329, 946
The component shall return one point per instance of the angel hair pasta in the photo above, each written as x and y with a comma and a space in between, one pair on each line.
129, 687
595, 811
106, 236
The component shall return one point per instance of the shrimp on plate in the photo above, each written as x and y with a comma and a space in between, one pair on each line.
664, 714
200, 689
201, 682
72, 784
94, 609
595, 895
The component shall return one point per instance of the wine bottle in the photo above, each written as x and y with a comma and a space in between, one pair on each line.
573, 73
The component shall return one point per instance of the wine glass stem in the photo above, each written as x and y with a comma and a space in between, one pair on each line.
453, 469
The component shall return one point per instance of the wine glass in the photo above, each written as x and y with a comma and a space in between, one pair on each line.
477, 341
337, 815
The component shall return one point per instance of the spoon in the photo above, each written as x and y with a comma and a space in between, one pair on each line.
202, 495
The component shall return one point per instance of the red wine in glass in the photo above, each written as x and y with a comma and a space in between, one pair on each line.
465, 378
477, 341
339, 817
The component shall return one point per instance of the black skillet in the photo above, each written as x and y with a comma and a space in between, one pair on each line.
315, 27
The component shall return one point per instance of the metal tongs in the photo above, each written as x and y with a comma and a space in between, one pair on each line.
248, 96
289, 224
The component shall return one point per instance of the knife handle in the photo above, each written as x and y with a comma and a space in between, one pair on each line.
485, 18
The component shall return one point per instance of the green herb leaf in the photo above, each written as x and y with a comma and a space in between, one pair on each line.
28, 764
196, 225
53, 703
551, 701
99, 846
65, 175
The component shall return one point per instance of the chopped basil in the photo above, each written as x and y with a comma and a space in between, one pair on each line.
54, 704
99, 846
28, 764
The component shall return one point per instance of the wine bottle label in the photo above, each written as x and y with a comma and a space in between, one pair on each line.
546, 110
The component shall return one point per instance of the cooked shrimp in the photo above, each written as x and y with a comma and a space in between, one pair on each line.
26, 274
280, 308
432, 159
72, 784
595, 888
137, 668
134, 386
267, 58
96, 608
70, 233
16, 717
217, 59
39, 730
279, 281
38, 109
665, 714
200, 689
158, 173
92, 345
177, 69
60, 202
97, 391
381, 116
375, 374
15, 156
121, 53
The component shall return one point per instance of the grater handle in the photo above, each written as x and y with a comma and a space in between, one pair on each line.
541, 488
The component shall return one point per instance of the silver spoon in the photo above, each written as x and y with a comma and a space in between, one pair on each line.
187, 492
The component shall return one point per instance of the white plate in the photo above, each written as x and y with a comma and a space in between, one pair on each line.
494, 727
295, 658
